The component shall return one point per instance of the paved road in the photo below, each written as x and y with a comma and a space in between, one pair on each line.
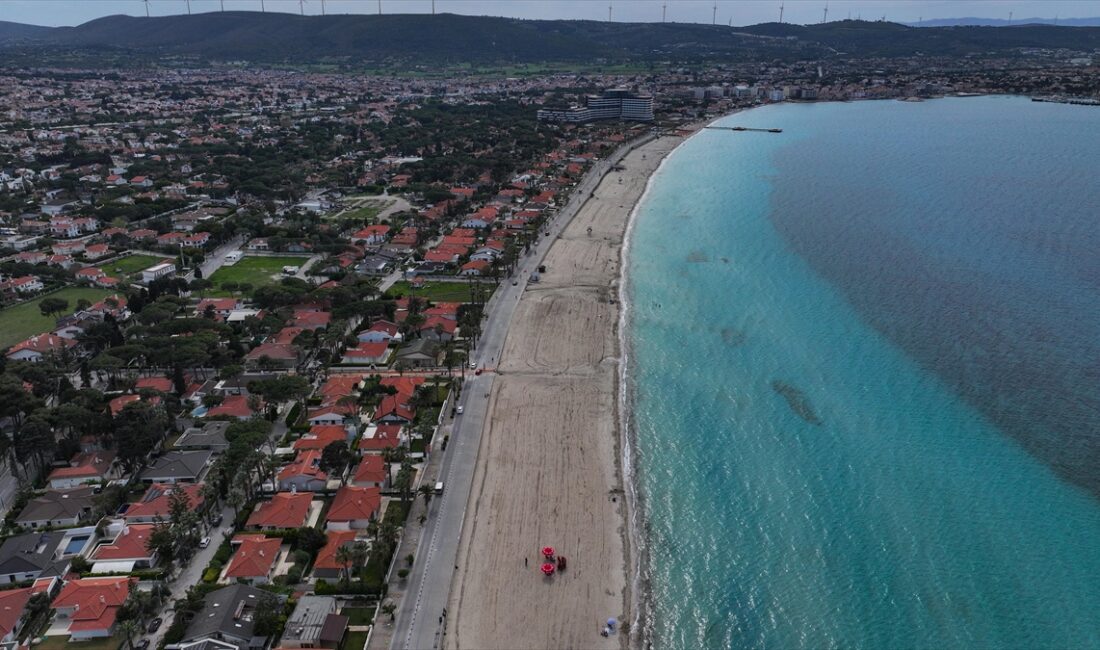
191, 574
419, 622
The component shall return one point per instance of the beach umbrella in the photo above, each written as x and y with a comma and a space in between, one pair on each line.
548, 551
548, 568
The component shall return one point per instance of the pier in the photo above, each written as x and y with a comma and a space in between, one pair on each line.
742, 128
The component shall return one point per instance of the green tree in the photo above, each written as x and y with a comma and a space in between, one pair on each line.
53, 306
335, 457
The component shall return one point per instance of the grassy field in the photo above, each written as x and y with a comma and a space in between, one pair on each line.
368, 209
437, 291
24, 320
257, 271
131, 265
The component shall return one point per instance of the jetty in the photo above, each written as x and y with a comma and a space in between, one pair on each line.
1077, 101
742, 128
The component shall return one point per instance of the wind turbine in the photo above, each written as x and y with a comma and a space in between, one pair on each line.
146, 8
664, 11
223, 5
302, 7
263, 9
609, 12
825, 17
322, 7
714, 14
781, 13
188, 7
433, 7
379, 7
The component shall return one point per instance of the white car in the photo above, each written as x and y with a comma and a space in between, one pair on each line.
458, 409
473, 364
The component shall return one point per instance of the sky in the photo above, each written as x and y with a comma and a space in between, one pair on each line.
737, 12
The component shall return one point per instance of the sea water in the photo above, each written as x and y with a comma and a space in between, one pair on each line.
864, 375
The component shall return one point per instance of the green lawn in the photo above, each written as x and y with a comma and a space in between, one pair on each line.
354, 641
131, 265
437, 291
257, 271
62, 643
24, 320
358, 615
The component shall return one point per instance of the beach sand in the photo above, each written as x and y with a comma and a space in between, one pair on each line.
548, 470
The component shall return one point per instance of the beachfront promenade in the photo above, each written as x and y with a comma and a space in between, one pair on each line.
418, 624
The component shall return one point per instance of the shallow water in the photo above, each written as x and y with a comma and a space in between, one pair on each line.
863, 366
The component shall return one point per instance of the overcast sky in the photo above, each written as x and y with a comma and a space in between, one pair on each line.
739, 12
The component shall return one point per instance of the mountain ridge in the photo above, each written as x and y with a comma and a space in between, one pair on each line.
451, 38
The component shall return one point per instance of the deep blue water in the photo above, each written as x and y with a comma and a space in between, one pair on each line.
865, 378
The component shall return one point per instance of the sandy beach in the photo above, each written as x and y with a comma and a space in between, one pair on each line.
548, 469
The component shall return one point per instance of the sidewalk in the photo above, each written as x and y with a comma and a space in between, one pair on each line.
410, 539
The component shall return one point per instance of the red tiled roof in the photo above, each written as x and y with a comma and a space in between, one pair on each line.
311, 319
386, 436
321, 436
131, 543
85, 465
304, 464
326, 557
284, 510
235, 405
162, 384
254, 557
96, 600
354, 503
13, 602
371, 470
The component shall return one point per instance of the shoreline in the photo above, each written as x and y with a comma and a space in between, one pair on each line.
550, 466
638, 597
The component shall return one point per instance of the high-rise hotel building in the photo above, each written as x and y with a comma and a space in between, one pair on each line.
614, 104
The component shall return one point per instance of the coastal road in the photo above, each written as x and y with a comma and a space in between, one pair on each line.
420, 624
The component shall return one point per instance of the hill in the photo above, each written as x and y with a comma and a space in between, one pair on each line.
451, 39
1001, 22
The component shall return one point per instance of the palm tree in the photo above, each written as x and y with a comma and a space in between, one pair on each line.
426, 491
388, 608
345, 557
129, 629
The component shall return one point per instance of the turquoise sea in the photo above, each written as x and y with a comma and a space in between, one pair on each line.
864, 379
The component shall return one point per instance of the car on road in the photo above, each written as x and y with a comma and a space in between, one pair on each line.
459, 409
155, 624
204, 542
515, 282
473, 364
143, 645
478, 371
217, 520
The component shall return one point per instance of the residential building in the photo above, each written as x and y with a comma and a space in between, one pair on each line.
283, 510
255, 559
157, 501
314, 623
353, 508
227, 618
85, 467
178, 467
89, 607
57, 508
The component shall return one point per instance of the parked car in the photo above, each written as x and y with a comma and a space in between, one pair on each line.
155, 624
143, 644
459, 409
217, 520
204, 542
